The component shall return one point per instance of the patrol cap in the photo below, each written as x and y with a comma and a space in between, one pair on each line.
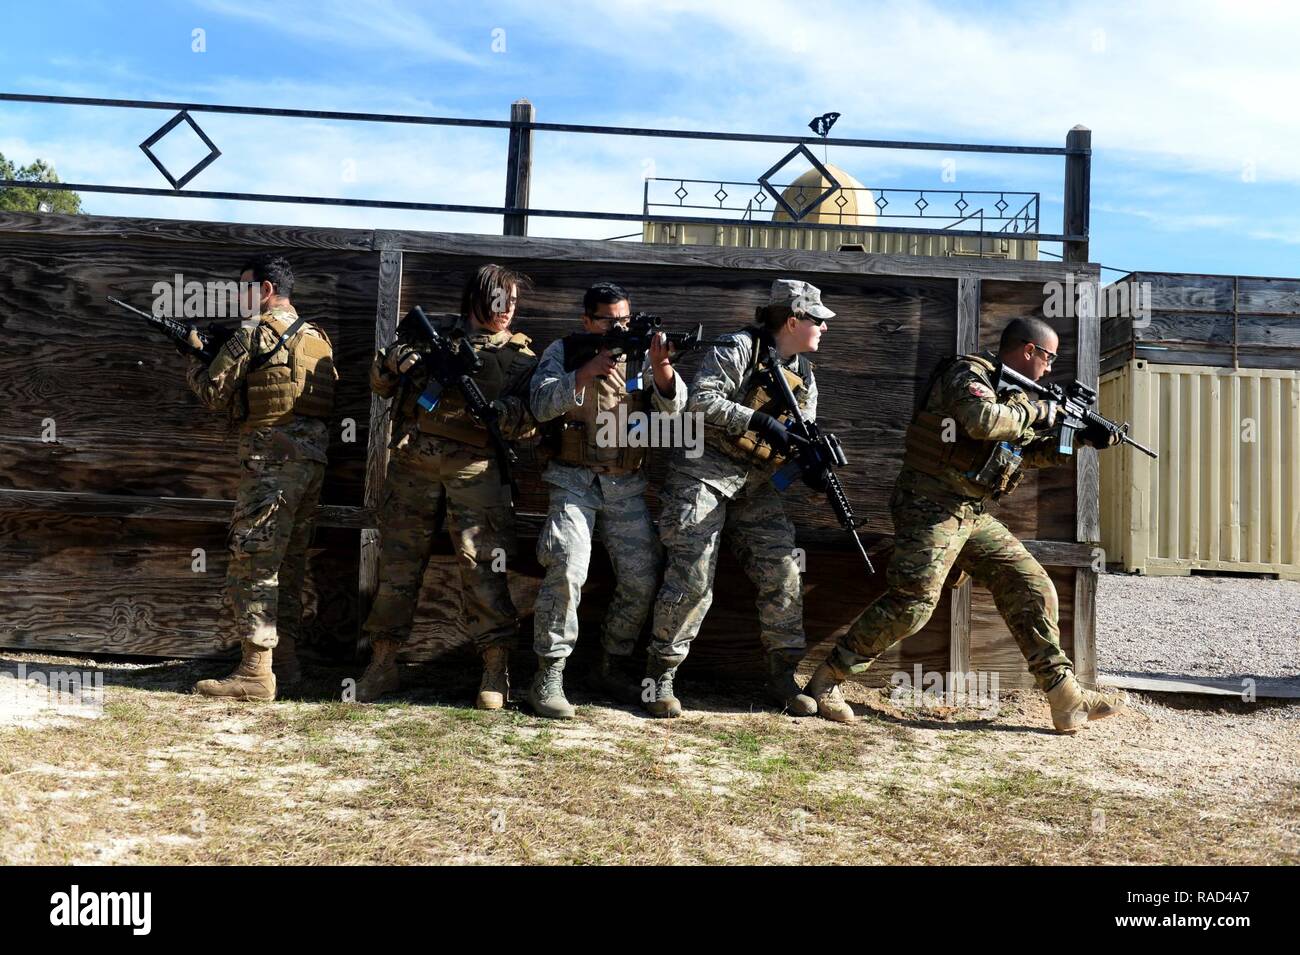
799, 297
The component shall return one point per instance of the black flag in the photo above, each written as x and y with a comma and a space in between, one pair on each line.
822, 124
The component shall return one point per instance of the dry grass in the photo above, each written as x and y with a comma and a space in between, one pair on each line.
167, 777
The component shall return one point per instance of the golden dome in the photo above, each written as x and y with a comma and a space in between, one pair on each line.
858, 207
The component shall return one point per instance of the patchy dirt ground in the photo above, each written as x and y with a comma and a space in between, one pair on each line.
164, 776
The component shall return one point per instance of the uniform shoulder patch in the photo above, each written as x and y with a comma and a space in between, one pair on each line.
235, 346
981, 390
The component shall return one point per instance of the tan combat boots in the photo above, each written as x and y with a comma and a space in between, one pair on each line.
252, 679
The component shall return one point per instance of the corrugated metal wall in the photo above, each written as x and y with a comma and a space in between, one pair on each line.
1225, 494
815, 240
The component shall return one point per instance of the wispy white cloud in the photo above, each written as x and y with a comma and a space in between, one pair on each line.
386, 26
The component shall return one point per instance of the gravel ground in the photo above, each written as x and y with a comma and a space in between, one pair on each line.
1198, 626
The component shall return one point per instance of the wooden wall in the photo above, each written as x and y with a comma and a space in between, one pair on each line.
1219, 321
98, 553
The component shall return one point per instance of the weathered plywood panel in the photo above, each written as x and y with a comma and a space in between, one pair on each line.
124, 421
129, 586
1206, 319
995, 649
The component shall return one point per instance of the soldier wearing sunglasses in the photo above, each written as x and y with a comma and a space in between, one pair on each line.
968, 445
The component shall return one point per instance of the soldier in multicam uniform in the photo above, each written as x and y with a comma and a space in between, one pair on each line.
442, 460
276, 378
596, 486
967, 445
728, 487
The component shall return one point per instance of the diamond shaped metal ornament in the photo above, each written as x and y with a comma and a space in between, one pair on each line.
797, 214
182, 117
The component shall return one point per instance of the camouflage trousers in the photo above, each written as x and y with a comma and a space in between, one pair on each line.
481, 521
692, 522
275, 513
564, 549
929, 539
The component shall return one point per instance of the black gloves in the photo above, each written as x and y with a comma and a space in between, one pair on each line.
770, 430
1099, 437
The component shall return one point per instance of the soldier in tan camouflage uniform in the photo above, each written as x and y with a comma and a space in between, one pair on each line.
443, 459
276, 377
596, 486
728, 488
966, 446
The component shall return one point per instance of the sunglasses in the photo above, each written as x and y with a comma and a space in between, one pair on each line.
1051, 356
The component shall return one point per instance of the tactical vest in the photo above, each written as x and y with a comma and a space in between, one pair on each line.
499, 364
577, 438
296, 377
750, 447
993, 466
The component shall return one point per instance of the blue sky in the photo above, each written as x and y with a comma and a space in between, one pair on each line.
1192, 105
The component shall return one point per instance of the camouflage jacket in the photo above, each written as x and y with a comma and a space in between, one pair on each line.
554, 392
219, 387
966, 392
516, 422
721, 383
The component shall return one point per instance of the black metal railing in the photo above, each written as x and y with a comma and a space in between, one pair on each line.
966, 209
521, 127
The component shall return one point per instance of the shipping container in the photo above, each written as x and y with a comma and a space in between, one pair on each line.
1225, 492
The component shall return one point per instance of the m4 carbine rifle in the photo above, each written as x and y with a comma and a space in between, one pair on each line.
815, 454
179, 332
1077, 415
633, 341
452, 363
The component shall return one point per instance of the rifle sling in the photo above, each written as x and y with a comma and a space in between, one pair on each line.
261, 359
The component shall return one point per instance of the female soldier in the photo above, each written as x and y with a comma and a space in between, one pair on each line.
728, 487
443, 459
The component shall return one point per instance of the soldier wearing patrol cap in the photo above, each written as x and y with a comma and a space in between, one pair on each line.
727, 489
968, 445
276, 378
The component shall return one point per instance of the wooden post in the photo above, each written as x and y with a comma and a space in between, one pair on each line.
386, 308
1087, 517
959, 617
1088, 329
1078, 176
519, 166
